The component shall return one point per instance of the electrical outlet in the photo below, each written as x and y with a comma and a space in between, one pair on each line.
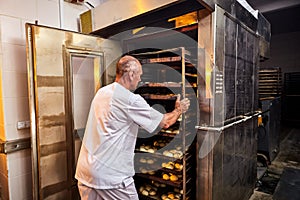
27, 124
23, 124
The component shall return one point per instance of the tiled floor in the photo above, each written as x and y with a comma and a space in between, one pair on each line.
288, 157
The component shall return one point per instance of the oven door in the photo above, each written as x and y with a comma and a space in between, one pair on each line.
65, 69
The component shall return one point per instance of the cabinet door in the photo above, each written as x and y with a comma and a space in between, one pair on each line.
233, 83
64, 71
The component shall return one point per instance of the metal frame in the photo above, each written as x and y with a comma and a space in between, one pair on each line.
68, 53
30, 68
14, 145
38, 84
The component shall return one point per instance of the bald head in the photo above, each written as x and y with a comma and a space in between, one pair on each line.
126, 64
129, 71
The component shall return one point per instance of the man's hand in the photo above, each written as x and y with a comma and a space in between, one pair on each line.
182, 105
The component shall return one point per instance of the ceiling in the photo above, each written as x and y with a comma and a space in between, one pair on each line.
283, 15
272, 5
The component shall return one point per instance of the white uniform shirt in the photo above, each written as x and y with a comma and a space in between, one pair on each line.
107, 152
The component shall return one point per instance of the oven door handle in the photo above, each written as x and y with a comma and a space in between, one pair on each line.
222, 128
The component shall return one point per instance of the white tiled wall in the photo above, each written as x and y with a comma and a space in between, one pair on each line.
15, 168
16, 109
14, 84
19, 8
46, 9
10, 30
69, 13
11, 51
20, 180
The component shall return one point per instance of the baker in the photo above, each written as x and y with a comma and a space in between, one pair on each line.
105, 166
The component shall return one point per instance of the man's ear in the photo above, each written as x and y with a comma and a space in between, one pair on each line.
130, 74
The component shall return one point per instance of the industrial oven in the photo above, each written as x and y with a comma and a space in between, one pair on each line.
215, 141
206, 52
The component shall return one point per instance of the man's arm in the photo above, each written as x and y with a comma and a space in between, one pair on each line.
170, 118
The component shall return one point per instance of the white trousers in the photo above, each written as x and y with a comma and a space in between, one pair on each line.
126, 193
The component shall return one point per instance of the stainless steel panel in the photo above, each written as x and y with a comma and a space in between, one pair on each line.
240, 69
227, 149
240, 65
225, 4
229, 163
230, 69
205, 65
264, 28
264, 31
244, 16
250, 67
218, 70
228, 170
135, 14
130, 8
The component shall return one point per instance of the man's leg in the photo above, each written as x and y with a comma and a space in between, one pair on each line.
87, 193
125, 193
